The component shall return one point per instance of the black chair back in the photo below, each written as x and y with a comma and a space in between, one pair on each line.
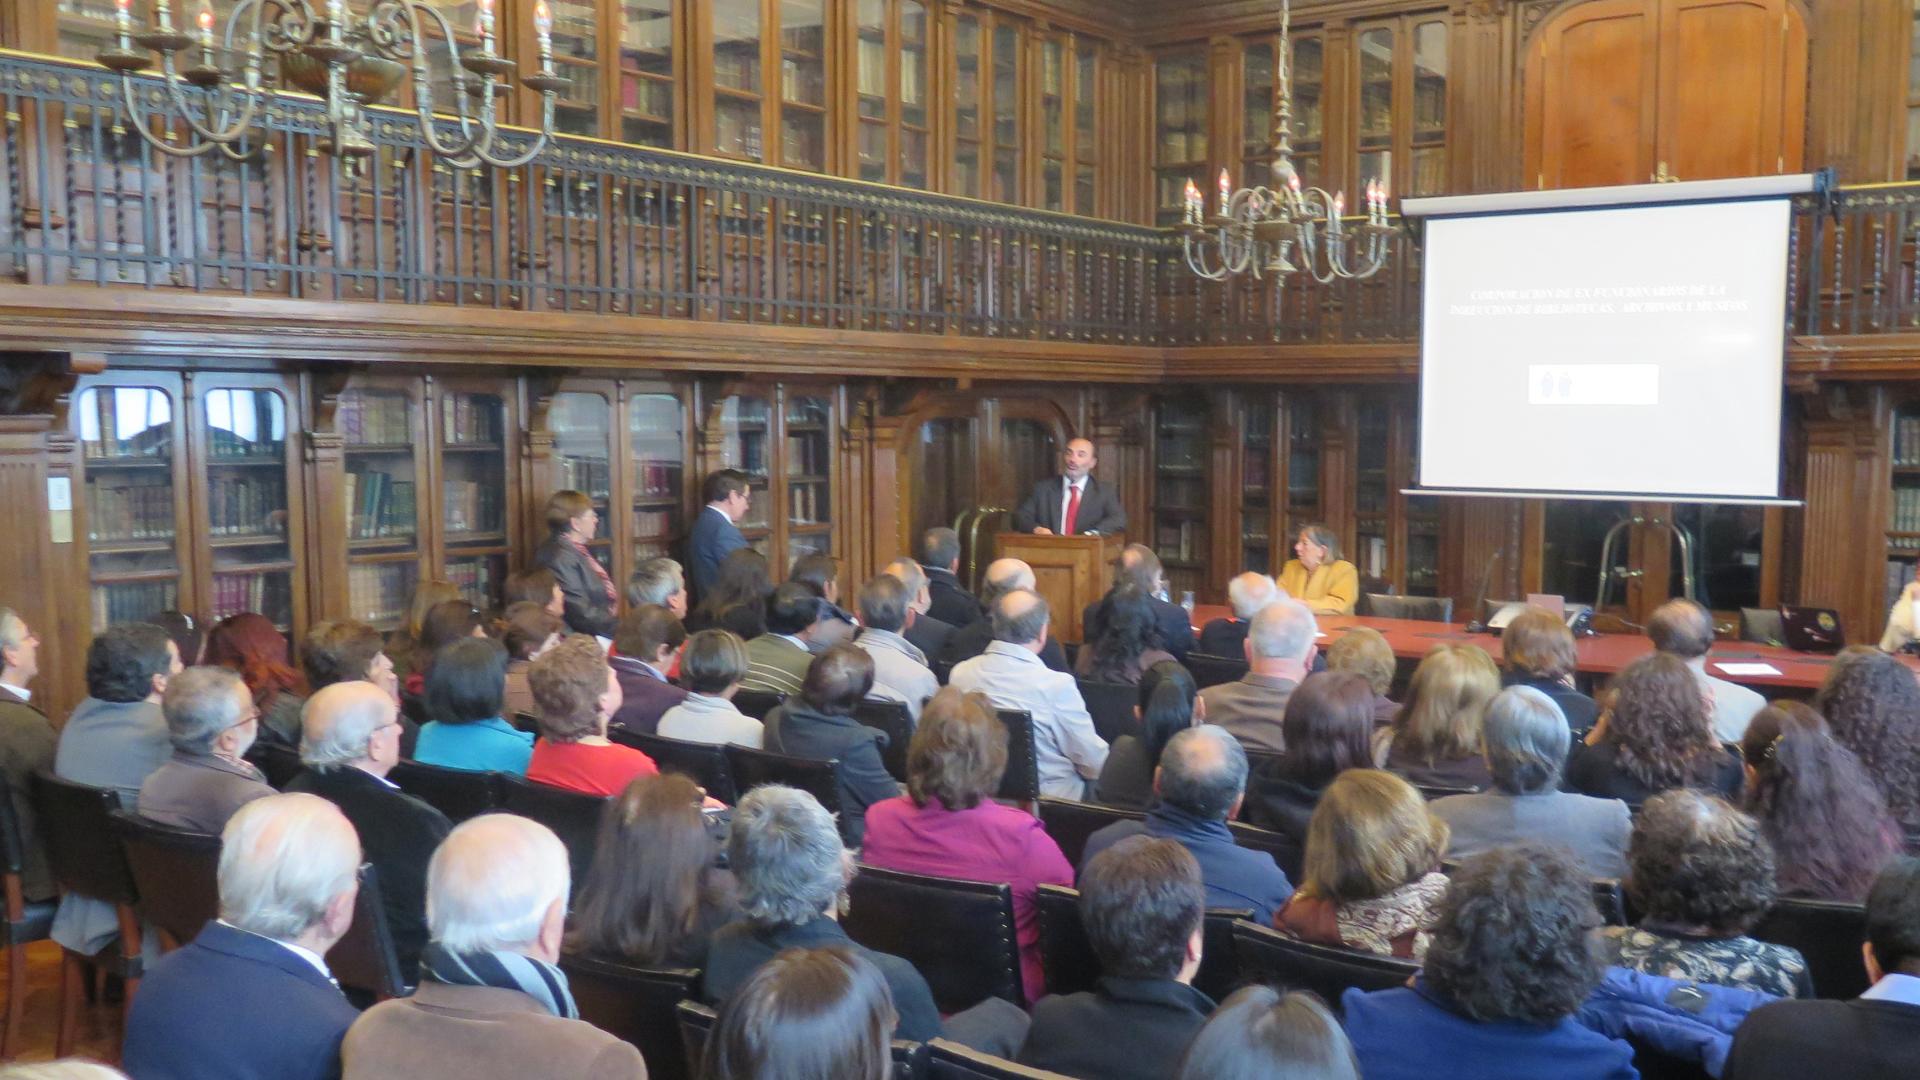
84, 852
364, 961
703, 763
1021, 781
1430, 792
529, 723
458, 793
951, 1061
1267, 955
1611, 899
1066, 956
1219, 973
1762, 625
696, 1027
1652, 1063
13, 830
279, 764
176, 873
1111, 706
757, 703
1828, 933
891, 719
1265, 762
1425, 608
1286, 851
752, 768
973, 955
1214, 670
572, 815
636, 1004
1070, 823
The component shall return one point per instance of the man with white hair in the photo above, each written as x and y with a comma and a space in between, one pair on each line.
350, 740
923, 632
27, 740
251, 996
1279, 651
1248, 594
971, 639
492, 1003
659, 580
1069, 751
212, 721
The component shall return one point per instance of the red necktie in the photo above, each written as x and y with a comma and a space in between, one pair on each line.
1073, 511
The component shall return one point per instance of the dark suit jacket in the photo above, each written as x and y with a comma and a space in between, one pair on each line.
929, 635
1224, 637
795, 729
1858, 1040
951, 603
646, 698
588, 609
1579, 709
714, 537
738, 950
397, 834
27, 742
971, 639
1176, 626
1100, 509
235, 1006
1128, 1029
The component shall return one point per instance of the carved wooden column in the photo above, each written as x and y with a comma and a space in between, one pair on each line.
1485, 134
1848, 434
323, 468
867, 519
1121, 429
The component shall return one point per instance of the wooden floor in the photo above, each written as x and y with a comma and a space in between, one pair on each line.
99, 1037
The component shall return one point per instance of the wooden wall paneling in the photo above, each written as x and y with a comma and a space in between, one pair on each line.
1731, 79
1480, 114
36, 580
1843, 551
1474, 530
1591, 95
322, 477
1223, 504
1857, 95
1338, 465
1121, 426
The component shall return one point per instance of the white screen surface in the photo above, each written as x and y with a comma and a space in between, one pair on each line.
1616, 351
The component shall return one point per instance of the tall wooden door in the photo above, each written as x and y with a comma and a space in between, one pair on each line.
1591, 86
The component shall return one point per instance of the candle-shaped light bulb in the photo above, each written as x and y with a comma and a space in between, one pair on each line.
1192, 202
1383, 201
1339, 202
123, 18
543, 29
205, 19
483, 20
1226, 189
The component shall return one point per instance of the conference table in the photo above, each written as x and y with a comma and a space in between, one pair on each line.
1797, 674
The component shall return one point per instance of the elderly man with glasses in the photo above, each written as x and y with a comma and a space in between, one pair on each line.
211, 721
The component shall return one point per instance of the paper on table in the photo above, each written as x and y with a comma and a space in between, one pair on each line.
1748, 669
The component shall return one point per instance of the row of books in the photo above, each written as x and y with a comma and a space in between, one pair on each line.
473, 506
476, 580
129, 511
809, 504
132, 602
375, 419
1184, 542
652, 523
379, 506
377, 592
1906, 440
227, 444
1899, 572
808, 455
591, 475
658, 479
153, 441
247, 505
464, 420
270, 594
1905, 516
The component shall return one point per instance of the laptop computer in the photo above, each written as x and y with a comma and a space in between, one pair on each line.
1812, 629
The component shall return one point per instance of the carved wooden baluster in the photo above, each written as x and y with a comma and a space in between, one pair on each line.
1879, 276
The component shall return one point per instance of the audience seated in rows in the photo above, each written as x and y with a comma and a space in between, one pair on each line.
1537, 650
1279, 649
947, 825
658, 580
1869, 1038
806, 1014
1248, 594
251, 995
589, 599
1142, 903
345, 650
645, 643
1317, 576
1684, 629
446, 622
1328, 728
350, 740
1200, 782
1137, 566
820, 573
115, 738
652, 895
777, 660
1259, 1033
818, 723
530, 630
578, 696
1527, 741
712, 667
1510, 962
466, 696
1169, 703
1657, 734
491, 1004
950, 602
1128, 642
1435, 738
1700, 874
1010, 673
27, 742
1829, 827
923, 631
211, 722
737, 599
536, 585
1371, 878
1364, 651
250, 645
970, 639
1872, 702
403, 645
900, 671
792, 872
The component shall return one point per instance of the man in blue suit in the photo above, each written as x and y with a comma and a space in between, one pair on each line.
715, 534
251, 997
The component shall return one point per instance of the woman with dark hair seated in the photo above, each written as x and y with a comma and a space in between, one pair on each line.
444, 623
948, 825
820, 724
1701, 875
1537, 650
807, 1014
465, 691
1372, 873
1510, 963
1830, 829
1128, 642
1327, 726
403, 645
1169, 704
652, 895
712, 666
249, 645
738, 599
1657, 734
1872, 703
1260, 1034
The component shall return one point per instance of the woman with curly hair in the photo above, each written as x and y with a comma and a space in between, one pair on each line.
1371, 878
248, 645
1128, 641
1829, 826
1435, 738
1656, 734
1701, 875
1872, 703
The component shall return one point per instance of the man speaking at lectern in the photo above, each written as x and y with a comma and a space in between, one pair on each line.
1074, 503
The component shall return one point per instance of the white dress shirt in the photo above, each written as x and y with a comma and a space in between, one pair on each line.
1733, 705
319, 963
1066, 498
1069, 750
20, 692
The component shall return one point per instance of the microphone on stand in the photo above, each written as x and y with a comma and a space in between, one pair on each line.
1475, 625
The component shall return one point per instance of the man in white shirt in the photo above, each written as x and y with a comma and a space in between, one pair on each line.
900, 670
1685, 629
1073, 503
1011, 674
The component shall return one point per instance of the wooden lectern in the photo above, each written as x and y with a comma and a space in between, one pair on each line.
1070, 571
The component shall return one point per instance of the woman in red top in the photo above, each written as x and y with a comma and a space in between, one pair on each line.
577, 692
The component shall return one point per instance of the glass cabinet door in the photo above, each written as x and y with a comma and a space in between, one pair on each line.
809, 450
245, 504
967, 96
646, 72
803, 84
582, 427
1256, 484
656, 432
1374, 131
1180, 133
1260, 95
915, 122
1006, 112
129, 444
576, 57
1400, 103
1053, 124
473, 494
1373, 491
1180, 495
382, 504
1303, 469
744, 437
1428, 156
737, 84
1086, 134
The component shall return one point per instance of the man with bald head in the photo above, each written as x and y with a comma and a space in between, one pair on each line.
1200, 782
1281, 641
1073, 503
924, 631
1012, 676
1248, 595
1139, 567
349, 741
971, 639
1685, 629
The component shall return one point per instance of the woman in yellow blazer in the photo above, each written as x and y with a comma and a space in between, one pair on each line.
1319, 577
